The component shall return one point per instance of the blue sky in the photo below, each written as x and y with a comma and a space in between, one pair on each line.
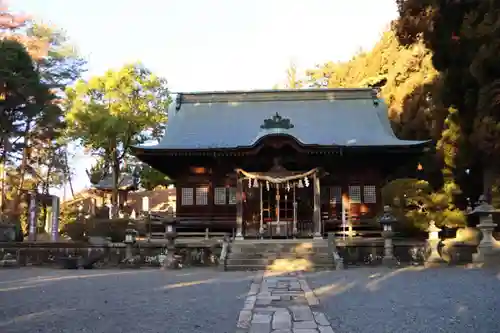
213, 44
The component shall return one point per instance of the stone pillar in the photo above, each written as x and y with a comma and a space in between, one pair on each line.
239, 208
32, 217
387, 220
317, 208
432, 243
54, 234
485, 248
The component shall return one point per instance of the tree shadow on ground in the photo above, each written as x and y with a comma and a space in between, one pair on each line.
410, 299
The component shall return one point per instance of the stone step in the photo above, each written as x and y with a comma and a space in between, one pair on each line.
280, 262
276, 255
245, 267
256, 267
249, 261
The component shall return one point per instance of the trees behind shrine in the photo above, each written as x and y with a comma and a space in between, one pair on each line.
465, 42
107, 114
441, 79
36, 64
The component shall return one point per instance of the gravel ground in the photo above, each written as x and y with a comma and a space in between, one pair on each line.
114, 301
409, 300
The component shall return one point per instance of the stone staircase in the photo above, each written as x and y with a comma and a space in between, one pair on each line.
280, 255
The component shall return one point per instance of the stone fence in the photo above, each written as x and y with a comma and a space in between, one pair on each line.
406, 252
107, 255
355, 253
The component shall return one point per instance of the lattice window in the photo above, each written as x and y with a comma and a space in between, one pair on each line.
355, 194
202, 196
335, 195
187, 196
220, 196
232, 196
369, 194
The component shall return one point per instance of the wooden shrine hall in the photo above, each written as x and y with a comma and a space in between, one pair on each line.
279, 163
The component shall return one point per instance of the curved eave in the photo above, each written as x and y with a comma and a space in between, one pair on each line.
417, 146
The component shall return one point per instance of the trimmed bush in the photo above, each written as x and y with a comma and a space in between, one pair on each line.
114, 228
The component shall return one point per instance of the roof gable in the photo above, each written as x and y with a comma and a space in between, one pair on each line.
320, 117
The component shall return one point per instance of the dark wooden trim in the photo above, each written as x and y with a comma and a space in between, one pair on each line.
300, 147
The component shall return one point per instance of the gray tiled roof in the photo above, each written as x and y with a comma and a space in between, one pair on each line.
126, 182
341, 117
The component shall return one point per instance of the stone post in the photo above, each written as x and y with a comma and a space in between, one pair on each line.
32, 217
432, 243
386, 221
485, 248
54, 234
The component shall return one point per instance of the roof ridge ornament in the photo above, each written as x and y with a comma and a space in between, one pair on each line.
277, 121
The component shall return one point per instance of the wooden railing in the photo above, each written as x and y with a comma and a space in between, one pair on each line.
361, 227
198, 224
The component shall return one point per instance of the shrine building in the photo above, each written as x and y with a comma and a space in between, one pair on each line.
279, 163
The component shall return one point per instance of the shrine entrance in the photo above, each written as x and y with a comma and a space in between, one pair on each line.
279, 204
278, 210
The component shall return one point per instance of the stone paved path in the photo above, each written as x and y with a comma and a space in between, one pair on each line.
281, 303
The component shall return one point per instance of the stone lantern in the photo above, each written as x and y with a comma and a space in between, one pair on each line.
130, 239
170, 235
433, 242
387, 221
485, 248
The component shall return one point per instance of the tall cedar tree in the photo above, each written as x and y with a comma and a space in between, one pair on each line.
407, 82
464, 37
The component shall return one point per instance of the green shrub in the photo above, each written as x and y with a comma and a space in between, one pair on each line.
76, 231
114, 228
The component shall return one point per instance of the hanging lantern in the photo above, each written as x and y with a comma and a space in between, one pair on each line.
267, 185
300, 185
255, 183
288, 186
420, 167
249, 182
306, 181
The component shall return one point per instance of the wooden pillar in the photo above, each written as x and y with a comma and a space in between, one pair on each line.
278, 226
261, 226
317, 208
294, 213
239, 208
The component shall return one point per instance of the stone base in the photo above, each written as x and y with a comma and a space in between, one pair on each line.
317, 237
9, 263
390, 262
434, 260
486, 260
172, 262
